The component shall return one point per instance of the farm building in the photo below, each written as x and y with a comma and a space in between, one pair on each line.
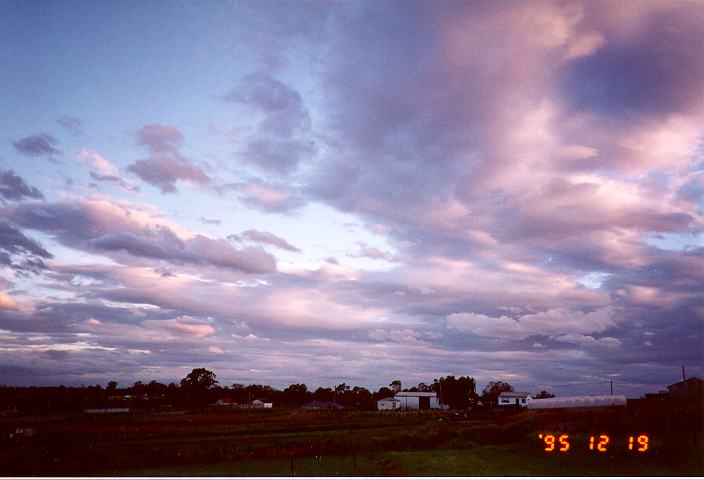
690, 390
507, 399
260, 403
591, 401
388, 403
418, 400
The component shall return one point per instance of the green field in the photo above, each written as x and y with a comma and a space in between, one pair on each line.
285, 443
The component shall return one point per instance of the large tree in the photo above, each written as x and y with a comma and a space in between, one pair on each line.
457, 393
199, 378
197, 384
491, 392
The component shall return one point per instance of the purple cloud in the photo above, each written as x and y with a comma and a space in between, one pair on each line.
20, 252
282, 139
166, 165
269, 239
267, 196
72, 124
36, 145
13, 187
99, 226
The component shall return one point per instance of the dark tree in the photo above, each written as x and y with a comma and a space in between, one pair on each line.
491, 392
395, 386
265, 392
324, 394
112, 386
156, 389
360, 398
457, 393
296, 395
384, 392
544, 394
197, 384
423, 387
199, 378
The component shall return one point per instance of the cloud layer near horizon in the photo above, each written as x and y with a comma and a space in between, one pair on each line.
504, 190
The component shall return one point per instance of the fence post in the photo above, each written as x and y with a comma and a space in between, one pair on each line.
354, 460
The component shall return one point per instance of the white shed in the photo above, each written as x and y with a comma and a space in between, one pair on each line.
507, 399
388, 403
418, 400
259, 403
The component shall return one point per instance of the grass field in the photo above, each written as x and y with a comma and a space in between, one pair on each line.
279, 443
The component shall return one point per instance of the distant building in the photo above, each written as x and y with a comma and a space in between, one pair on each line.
320, 405
591, 401
418, 401
388, 403
260, 403
507, 399
690, 390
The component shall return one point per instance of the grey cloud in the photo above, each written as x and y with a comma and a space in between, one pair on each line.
281, 142
114, 180
57, 318
13, 187
280, 156
36, 145
20, 252
72, 124
166, 165
658, 72
283, 106
98, 227
269, 239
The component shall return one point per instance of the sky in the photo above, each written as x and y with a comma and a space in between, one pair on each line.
328, 192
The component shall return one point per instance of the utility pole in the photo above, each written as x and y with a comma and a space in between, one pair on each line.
612, 387
683, 377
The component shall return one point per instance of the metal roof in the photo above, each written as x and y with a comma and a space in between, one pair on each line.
689, 380
415, 394
514, 394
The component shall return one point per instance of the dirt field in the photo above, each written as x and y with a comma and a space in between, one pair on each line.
342, 444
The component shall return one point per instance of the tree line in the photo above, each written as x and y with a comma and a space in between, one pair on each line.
201, 388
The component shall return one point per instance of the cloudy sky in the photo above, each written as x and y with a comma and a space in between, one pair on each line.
355, 192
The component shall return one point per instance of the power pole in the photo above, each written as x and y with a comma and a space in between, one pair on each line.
612, 387
683, 377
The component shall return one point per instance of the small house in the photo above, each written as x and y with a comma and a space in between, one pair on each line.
388, 403
507, 399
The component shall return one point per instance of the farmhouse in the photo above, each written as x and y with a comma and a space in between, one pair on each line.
507, 399
388, 403
417, 401
591, 401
